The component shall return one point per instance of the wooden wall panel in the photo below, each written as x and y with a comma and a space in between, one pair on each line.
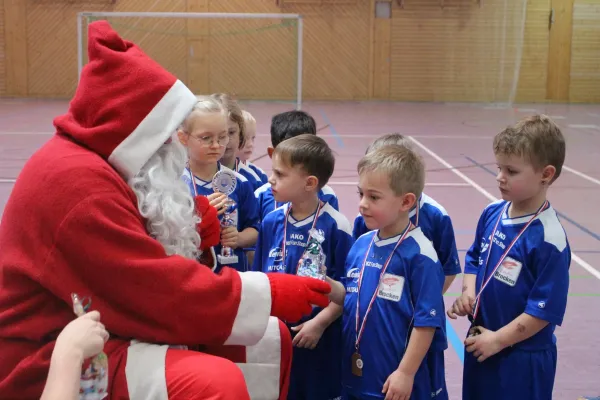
559, 51
248, 57
15, 48
460, 52
52, 40
585, 52
425, 52
2, 52
534, 71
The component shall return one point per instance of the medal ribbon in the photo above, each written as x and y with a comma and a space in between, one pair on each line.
189, 170
503, 256
360, 330
287, 214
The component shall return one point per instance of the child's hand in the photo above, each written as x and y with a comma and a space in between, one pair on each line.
230, 237
398, 386
338, 291
84, 336
484, 345
309, 334
217, 200
462, 306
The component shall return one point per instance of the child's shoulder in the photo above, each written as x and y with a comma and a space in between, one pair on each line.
492, 211
255, 167
263, 190
429, 205
420, 245
245, 169
339, 220
552, 232
328, 191
276, 216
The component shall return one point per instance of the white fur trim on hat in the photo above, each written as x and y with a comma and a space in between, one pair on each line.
155, 129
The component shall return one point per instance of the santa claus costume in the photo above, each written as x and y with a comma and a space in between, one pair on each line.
95, 212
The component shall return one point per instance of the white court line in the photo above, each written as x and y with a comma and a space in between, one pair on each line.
487, 194
581, 175
8, 180
583, 126
433, 184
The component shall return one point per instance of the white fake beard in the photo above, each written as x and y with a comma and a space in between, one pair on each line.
164, 200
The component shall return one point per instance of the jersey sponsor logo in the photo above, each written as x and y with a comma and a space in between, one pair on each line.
295, 243
277, 254
499, 238
353, 273
485, 244
391, 287
297, 236
352, 289
373, 264
276, 268
509, 271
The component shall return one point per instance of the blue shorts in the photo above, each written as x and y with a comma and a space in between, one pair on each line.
317, 374
437, 374
511, 374
424, 382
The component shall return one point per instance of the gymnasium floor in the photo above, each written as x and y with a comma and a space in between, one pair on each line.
455, 140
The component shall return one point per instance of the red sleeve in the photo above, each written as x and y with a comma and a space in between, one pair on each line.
102, 250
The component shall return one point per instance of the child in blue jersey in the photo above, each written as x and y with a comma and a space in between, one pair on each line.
237, 140
393, 303
284, 126
517, 272
301, 166
427, 214
205, 134
246, 151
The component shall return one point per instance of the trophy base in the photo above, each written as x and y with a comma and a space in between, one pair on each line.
224, 260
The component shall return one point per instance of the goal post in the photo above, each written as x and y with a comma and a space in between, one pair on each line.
254, 56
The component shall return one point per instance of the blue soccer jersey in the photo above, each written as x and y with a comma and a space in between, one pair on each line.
259, 171
248, 173
437, 227
245, 212
532, 278
267, 203
408, 295
316, 374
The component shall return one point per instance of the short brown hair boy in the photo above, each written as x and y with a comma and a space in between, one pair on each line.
310, 152
537, 139
402, 165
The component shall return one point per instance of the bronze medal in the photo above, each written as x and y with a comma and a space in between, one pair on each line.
357, 364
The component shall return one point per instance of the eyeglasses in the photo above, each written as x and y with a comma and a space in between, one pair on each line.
209, 140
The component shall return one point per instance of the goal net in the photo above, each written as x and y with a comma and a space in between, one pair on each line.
251, 56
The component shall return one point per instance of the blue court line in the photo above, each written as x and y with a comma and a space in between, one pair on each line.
457, 344
334, 131
561, 215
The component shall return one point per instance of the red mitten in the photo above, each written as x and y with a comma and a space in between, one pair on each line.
292, 297
209, 227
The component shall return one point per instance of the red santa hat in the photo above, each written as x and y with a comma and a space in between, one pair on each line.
126, 105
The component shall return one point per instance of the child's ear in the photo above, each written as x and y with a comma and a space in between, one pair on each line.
183, 138
548, 174
270, 151
408, 201
312, 183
